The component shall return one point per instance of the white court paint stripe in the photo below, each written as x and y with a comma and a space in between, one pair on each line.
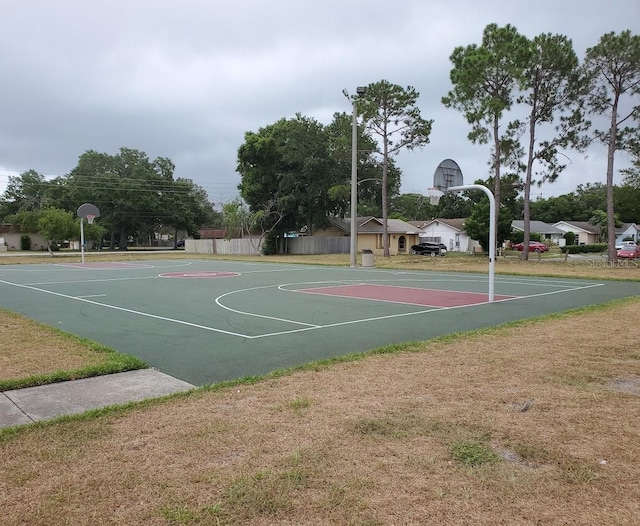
549, 293
130, 311
264, 316
391, 316
73, 282
93, 296
309, 327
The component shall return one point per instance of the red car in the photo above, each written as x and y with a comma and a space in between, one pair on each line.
534, 246
629, 252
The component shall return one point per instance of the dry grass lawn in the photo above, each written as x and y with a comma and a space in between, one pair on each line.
27, 349
530, 424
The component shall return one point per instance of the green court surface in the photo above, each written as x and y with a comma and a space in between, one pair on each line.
205, 321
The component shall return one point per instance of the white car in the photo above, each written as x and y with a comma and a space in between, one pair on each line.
622, 244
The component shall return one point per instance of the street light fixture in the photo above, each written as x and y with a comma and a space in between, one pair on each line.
360, 90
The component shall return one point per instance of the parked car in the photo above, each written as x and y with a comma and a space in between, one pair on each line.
628, 252
534, 246
180, 243
429, 249
623, 244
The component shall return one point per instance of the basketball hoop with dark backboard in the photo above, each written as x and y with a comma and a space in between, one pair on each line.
447, 174
89, 212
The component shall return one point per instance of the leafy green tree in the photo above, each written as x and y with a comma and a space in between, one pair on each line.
25, 221
554, 89
185, 208
627, 200
390, 113
477, 224
510, 188
554, 209
485, 79
614, 64
453, 206
235, 217
286, 172
136, 194
412, 207
27, 192
589, 197
369, 169
600, 218
55, 224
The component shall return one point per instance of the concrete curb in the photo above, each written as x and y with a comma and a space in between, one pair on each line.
45, 402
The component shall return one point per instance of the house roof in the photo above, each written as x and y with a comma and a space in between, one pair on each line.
456, 223
373, 225
627, 227
581, 225
537, 226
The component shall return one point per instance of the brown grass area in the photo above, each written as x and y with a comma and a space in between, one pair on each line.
515, 426
28, 349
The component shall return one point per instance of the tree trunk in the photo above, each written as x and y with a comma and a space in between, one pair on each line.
122, 243
496, 171
527, 187
385, 209
611, 223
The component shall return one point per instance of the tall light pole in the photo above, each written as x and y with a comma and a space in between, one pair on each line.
360, 90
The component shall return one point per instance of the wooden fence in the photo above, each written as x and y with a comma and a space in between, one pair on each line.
253, 246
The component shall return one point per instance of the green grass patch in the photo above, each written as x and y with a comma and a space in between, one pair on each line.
394, 424
299, 404
473, 453
266, 492
182, 514
117, 363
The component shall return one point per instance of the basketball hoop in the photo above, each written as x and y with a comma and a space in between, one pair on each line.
89, 212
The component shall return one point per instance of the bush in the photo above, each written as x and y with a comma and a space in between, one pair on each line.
581, 249
270, 245
570, 238
25, 242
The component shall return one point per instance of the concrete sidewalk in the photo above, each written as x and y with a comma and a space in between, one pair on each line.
32, 404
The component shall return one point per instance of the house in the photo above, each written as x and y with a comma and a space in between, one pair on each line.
628, 232
586, 233
12, 239
547, 232
448, 231
370, 230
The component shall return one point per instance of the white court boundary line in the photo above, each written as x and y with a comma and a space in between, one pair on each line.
63, 267
307, 326
423, 311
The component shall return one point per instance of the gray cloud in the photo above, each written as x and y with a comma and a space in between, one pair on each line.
186, 80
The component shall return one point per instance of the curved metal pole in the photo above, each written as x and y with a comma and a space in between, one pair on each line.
492, 230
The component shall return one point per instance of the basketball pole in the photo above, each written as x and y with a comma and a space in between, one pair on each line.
82, 238
492, 230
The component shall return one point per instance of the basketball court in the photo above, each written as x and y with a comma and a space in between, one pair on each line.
205, 321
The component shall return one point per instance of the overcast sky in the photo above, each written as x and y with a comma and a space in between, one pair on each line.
186, 79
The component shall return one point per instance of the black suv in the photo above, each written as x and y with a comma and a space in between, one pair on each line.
429, 249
